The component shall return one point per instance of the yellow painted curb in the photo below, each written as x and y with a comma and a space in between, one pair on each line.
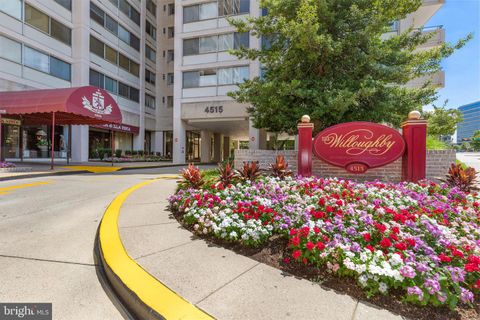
7, 190
93, 169
148, 289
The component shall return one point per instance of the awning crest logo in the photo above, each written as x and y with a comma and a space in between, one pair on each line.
97, 105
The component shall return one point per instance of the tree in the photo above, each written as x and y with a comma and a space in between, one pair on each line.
475, 143
332, 60
442, 121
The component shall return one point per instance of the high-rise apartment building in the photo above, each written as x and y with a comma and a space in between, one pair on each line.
206, 122
165, 62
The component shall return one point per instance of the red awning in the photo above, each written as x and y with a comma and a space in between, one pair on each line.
81, 105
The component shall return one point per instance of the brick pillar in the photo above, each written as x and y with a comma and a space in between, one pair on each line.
414, 162
305, 147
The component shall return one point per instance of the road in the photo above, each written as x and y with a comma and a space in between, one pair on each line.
47, 232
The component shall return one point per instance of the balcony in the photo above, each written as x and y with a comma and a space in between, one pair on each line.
426, 11
437, 39
437, 80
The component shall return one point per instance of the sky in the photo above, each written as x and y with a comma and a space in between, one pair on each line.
462, 69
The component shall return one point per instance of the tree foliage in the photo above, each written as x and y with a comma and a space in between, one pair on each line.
334, 60
442, 121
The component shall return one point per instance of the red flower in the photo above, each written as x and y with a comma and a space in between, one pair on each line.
457, 253
401, 246
474, 259
295, 241
471, 267
395, 230
329, 209
394, 237
367, 237
444, 258
286, 260
386, 243
305, 231
316, 230
369, 247
477, 284
380, 227
310, 246
296, 254
318, 214
293, 232
411, 242
320, 245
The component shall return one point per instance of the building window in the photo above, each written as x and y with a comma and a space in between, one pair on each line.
43, 22
45, 63
170, 79
151, 30
129, 11
167, 143
171, 9
102, 81
227, 76
200, 12
12, 8
67, 4
223, 42
212, 77
169, 101
150, 77
170, 55
99, 16
59, 69
105, 52
10, 50
37, 19
171, 32
150, 101
152, 7
233, 7
150, 53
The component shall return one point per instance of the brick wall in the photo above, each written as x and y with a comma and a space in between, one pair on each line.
438, 162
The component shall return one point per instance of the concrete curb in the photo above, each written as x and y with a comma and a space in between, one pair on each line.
141, 293
40, 175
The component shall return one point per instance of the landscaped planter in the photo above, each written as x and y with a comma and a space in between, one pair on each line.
416, 242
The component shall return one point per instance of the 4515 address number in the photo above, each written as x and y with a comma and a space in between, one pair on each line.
214, 109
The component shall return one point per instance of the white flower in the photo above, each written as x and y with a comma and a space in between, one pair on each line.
382, 287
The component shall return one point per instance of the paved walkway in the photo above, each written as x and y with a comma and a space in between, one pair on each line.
42, 168
224, 284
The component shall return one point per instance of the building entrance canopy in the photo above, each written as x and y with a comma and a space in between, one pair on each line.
87, 105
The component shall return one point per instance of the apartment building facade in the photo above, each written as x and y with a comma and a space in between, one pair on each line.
207, 124
112, 44
165, 62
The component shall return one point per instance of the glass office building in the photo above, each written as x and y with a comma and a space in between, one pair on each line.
471, 121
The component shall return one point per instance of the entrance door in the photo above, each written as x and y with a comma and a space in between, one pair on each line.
193, 146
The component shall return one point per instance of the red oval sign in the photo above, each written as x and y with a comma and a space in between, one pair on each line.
358, 146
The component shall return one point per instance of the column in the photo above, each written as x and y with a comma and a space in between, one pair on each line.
226, 148
179, 127
80, 72
257, 138
414, 162
139, 139
217, 147
205, 146
158, 146
305, 144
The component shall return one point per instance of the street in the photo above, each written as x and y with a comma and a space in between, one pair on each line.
47, 234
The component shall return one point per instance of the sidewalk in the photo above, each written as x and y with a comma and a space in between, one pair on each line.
41, 169
224, 284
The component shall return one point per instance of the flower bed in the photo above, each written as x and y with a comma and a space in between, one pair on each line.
4, 165
422, 240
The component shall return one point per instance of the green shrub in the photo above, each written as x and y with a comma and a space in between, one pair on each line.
118, 153
435, 144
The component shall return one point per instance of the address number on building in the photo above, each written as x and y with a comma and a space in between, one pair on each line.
214, 109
